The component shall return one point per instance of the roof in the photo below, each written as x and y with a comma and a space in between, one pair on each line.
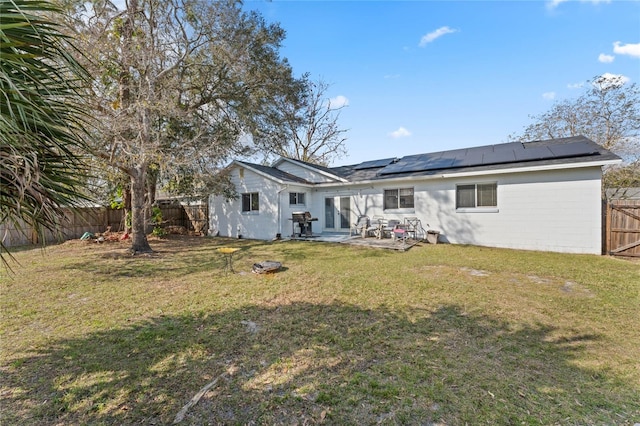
274, 173
327, 171
575, 150
571, 150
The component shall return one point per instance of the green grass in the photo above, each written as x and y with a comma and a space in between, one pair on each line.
345, 335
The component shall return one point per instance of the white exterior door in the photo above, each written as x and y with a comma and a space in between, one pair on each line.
337, 213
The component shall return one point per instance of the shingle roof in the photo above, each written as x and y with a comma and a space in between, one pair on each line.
576, 149
512, 155
275, 173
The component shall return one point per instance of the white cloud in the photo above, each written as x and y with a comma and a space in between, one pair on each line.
552, 4
627, 49
391, 76
400, 133
338, 102
549, 95
606, 59
428, 38
575, 85
607, 80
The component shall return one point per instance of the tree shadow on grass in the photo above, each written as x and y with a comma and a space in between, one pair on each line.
182, 256
309, 363
195, 254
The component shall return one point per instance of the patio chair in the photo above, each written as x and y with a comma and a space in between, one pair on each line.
387, 230
377, 223
361, 226
412, 226
400, 232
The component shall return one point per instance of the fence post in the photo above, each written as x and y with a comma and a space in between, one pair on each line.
607, 226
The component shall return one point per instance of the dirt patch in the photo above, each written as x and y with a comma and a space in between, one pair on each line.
475, 272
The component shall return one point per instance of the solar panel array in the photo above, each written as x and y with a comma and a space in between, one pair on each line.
374, 164
513, 152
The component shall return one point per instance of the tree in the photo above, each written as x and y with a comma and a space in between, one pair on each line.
311, 126
41, 121
181, 86
608, 113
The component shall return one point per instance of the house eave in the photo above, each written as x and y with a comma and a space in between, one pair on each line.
539, 168
446, 175
237, 163
308, 167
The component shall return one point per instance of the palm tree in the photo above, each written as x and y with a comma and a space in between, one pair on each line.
41, 122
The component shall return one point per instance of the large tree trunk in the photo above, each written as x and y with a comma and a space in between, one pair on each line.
126, 194
140, 244
149, 196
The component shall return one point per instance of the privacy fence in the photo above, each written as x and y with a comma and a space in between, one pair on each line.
175, 218
622, 228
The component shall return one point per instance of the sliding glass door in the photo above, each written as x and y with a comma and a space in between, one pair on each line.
337, 213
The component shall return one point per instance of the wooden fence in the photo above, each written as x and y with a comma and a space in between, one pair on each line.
76, 223
622, 228
99, 219
191, 218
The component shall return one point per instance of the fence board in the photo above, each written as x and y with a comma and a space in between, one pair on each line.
623, 228
99, 219
191, 218
76, 222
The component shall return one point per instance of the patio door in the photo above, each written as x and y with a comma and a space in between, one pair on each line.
337, 213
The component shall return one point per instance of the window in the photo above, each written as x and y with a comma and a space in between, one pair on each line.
477, 195
296, 199
401, 198
250, 202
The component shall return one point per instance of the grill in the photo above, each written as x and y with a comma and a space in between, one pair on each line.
303, 220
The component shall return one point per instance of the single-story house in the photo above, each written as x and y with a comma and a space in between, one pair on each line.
539, 195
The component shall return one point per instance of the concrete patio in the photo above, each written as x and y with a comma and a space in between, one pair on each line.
357, 240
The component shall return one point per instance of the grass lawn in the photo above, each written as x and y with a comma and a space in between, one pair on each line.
439, 334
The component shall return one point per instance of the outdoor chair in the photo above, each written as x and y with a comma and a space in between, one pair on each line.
377, 223
412, 226
400, 232
387, 230
361, 226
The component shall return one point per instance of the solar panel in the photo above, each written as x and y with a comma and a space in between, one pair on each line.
499, 157
394, 168
534, 153
511, 146
374, 163
574, 149
490, 155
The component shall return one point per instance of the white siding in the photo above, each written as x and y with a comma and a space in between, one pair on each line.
311, 205
557, 210
552, 210
227, 219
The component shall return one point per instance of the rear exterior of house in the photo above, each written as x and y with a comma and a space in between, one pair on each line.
549, 203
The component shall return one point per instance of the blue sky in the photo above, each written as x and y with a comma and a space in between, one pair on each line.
425, 76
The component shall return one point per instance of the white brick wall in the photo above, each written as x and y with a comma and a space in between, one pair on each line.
543, 210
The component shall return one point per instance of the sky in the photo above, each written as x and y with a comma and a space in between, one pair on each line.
426, 76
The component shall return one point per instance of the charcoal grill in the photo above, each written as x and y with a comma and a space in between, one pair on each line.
303, 220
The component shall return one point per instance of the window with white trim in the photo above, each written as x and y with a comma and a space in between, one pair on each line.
476, 195
250, 202
401, 198
297, 199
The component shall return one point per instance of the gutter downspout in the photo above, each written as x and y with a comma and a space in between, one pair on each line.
279, 210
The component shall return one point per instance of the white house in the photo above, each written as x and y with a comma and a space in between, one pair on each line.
540, 195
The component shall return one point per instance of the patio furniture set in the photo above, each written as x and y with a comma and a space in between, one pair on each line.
381, 227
